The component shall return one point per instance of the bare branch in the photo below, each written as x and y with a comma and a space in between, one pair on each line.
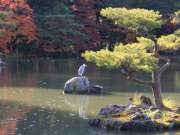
137, 80
165, 66
130, 76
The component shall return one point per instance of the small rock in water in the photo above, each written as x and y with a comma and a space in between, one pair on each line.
177, 110
81, 85
157, 114
94, 122
140, 116
171, 126
139, 126
77, 85
111, 109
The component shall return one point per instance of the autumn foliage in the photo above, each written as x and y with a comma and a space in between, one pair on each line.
17, 21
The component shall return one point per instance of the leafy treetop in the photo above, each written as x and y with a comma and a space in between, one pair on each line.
132, 57
176, 18
138, 20
169, 42
141, 55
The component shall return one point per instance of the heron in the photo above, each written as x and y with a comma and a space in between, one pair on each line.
81, 69
2, 62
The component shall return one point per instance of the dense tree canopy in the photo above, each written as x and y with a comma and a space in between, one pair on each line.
67, 25
142, 55
169, 42
58, 28
139, 55
139, 20
164, 6
132, 57
16, 20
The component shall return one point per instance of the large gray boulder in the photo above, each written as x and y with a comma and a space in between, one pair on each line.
81, 85
77, 85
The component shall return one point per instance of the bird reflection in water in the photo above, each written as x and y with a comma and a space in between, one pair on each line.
78, 103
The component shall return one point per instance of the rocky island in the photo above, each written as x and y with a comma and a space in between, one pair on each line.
141, 117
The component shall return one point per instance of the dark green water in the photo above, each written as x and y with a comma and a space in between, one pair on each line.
32, 102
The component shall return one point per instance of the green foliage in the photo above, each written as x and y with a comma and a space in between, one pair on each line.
164, 6
44, 7
176, 18
139, 20
51, 28
11, 25
4, 14
131, 57
2, 32
169, 103
177, 32
57, 23
56, 39
138, 56
169, 42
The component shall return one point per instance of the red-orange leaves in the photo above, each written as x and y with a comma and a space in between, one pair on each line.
19, 22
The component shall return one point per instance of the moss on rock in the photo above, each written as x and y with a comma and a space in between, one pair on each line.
141, 118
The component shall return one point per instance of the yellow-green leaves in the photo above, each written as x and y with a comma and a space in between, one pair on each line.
103, 58
4, 14
169, 42
139, 20
134, 57
176, 18
177, 32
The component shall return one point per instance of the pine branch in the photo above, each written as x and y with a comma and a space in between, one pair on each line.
165, 66
130, 76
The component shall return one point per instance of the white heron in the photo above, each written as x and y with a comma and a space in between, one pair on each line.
81, 69
2, 62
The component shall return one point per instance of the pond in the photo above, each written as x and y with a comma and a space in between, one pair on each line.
32, 100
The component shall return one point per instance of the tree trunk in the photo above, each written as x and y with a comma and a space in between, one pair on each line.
155, 84
156, 88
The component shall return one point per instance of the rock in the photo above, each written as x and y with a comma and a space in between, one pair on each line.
157, 114
171, 126
81, 85
117, 125
133, 117
142, 117
108, 124
112, 125
177, 124
142, 99
134, 108
177, 110
77, 85
95, 89
111, 109
139, 125
94, 122
152, 108
146, 101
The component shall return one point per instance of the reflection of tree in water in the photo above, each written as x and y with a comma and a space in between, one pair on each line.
170, 79
10, 114
43, 121
177, 78
78, 104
